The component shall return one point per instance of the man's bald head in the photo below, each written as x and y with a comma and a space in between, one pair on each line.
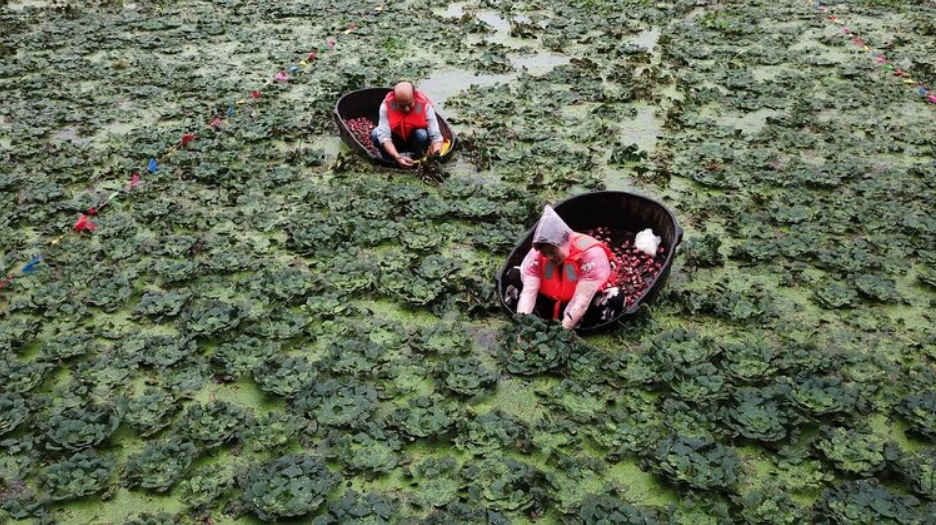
405, 94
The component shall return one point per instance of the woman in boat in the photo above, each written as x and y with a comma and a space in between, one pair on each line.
566, 274
407, 122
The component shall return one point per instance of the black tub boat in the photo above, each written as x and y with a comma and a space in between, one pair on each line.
366, 103
612, 209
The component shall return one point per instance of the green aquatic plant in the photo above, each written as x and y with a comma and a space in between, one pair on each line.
160, 465
82, 474
534, 346
148, 412
286, 487
79, 428
466, 376
210, 425
697, 462
284, 376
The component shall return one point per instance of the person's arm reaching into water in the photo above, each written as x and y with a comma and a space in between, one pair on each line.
530, 277
432, 127
595, 270
385, 137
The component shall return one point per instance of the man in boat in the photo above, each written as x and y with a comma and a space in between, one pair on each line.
565, 275
407, 123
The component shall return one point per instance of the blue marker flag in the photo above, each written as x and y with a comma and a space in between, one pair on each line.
922, 91
230, 110
293, 69
31, 265
152, 167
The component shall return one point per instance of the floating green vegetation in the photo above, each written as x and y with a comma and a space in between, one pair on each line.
267, 327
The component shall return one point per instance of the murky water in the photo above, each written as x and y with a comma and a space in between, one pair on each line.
21, 4
647, 39
5, 129
446, 83
644, 130
749, 123
70, 135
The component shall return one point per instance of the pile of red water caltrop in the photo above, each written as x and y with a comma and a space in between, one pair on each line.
361, 128
637, 271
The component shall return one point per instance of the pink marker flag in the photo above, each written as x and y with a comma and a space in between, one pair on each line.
282, 76
932, 99
216, 123
134, 180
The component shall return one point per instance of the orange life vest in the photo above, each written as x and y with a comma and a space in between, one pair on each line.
404, 123
558, 283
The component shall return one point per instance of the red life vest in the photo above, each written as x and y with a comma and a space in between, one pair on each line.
558, 283
404, 123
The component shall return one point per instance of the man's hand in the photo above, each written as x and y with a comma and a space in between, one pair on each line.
434, 148
404, 162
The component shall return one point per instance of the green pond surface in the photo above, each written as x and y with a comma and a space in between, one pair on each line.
270, 328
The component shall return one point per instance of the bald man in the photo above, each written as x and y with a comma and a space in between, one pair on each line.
407, 123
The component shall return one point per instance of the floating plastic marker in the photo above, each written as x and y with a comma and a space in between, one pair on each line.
31, 265
84, 224
152, 167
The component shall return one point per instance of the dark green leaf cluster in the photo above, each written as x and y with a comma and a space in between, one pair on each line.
334, 404
284, 375
79, 428
855, 452
374, 450
353, 507
867, 501
13, 411
273, 431
610, 509
534, 346
503, 484
492, 431
424, 416
82, 474
697, 462
210, 425
148, 412
466, 376
286, 487
206, 486
437, 482
160, 465
760, 413
920, 411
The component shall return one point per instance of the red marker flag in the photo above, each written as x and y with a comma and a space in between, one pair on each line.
84, 224
255, 94
188, 137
